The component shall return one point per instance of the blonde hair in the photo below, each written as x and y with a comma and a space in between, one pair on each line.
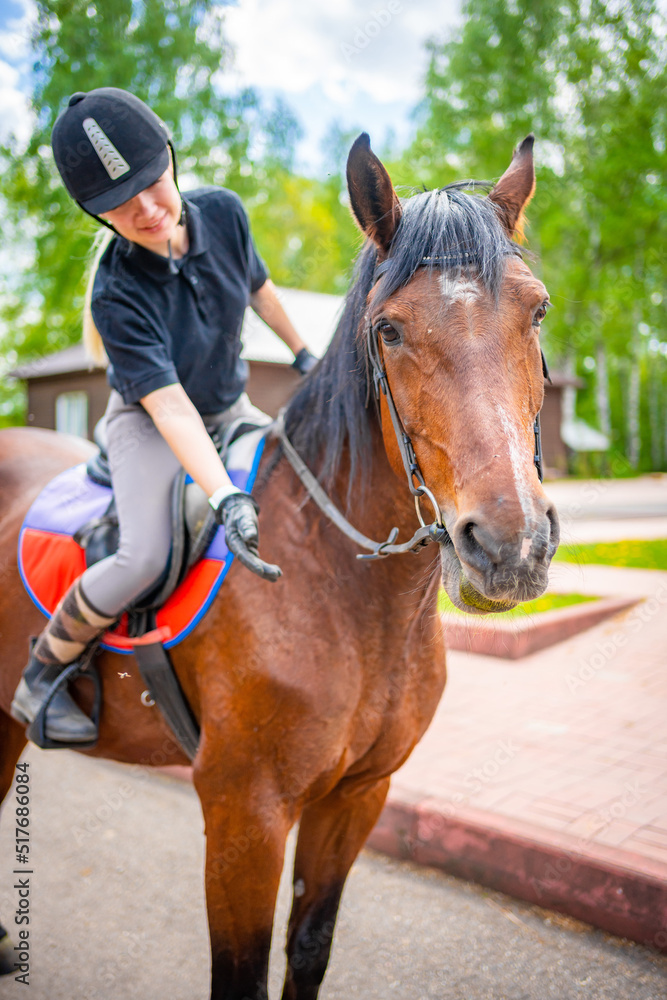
92, 341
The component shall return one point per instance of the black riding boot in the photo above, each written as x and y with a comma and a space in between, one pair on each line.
65, 722
75, 624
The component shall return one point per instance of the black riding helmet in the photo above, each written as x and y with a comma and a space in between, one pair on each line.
108, 146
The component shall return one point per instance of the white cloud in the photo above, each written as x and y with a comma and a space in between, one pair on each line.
16, 21
15, 28
348, 47
355, 61
17, 118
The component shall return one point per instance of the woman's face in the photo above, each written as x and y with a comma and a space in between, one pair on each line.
151, 218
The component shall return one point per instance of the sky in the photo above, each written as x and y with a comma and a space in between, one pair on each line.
355, 62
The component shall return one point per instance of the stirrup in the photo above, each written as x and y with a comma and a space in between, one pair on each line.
83, 667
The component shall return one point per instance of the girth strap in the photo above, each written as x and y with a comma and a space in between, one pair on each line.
160, 678
423, 535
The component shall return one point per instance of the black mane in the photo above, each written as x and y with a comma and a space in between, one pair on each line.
330, 409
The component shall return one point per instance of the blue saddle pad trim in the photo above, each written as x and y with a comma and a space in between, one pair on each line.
72, 499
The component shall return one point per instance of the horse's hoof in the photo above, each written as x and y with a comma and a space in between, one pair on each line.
6, 956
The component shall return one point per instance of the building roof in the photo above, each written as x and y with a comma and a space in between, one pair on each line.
71, 359
314, 315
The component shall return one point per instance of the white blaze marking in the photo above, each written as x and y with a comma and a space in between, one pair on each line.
517, 451
526, 546
459, 289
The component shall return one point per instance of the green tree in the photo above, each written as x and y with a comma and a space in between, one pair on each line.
303, 225
589, 80
168, 52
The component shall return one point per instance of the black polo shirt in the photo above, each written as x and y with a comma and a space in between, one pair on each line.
159, 328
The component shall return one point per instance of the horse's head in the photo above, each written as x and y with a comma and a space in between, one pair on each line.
455, 314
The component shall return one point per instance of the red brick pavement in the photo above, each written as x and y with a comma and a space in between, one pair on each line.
569, 744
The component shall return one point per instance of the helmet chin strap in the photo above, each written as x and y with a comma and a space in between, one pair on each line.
99, 219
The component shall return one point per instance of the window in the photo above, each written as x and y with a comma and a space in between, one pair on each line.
72, 413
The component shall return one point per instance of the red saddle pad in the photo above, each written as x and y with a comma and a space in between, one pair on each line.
50, 560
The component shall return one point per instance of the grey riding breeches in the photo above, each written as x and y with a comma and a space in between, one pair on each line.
143, 468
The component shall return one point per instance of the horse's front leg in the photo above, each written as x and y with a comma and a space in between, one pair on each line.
331, 834
246, 825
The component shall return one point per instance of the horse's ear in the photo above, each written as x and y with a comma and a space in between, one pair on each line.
515, 188
375, 205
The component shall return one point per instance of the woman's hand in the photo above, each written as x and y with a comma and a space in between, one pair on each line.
180, 424
238, 513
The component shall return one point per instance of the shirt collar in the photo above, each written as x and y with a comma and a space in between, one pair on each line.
157, 266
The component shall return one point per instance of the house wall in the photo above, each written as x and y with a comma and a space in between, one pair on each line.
269, 387
43, 392
553, 449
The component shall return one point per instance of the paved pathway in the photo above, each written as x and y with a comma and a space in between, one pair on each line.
573, 738
118, 911
563, 753
608, 510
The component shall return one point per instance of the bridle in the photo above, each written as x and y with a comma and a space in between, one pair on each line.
436, 531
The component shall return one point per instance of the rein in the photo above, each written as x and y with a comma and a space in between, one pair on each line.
426, 533
434, 532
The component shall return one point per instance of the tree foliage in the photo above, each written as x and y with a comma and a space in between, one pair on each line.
589, 79
168, 52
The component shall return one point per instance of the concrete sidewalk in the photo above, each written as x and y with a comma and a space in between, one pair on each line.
547, 777
609, 510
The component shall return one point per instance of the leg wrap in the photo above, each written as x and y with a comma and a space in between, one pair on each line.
73, 626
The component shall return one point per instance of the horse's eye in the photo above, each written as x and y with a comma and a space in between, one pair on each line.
540, 313
388, 333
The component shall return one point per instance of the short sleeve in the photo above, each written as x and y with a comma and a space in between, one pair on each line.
137, 349
257, 267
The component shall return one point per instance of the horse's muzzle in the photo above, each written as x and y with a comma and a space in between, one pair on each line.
498, 564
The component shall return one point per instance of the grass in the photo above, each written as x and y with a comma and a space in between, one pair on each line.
549, 602
643, 554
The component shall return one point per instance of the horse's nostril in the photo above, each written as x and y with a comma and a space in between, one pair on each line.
554, 528
470, 548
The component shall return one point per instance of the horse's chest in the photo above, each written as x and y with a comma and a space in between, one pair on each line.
401, 707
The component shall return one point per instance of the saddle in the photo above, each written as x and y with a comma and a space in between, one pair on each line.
73, 523
193, 524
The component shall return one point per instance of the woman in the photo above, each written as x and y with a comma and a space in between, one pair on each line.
167, 298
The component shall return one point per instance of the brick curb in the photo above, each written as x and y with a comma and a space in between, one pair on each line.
520, 637
618, 891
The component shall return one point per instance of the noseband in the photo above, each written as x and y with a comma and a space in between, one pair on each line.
436, 531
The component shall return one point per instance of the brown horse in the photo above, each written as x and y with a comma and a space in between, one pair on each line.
311, 691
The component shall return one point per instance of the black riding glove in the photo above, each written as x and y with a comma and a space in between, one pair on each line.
304, 361
238, 514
